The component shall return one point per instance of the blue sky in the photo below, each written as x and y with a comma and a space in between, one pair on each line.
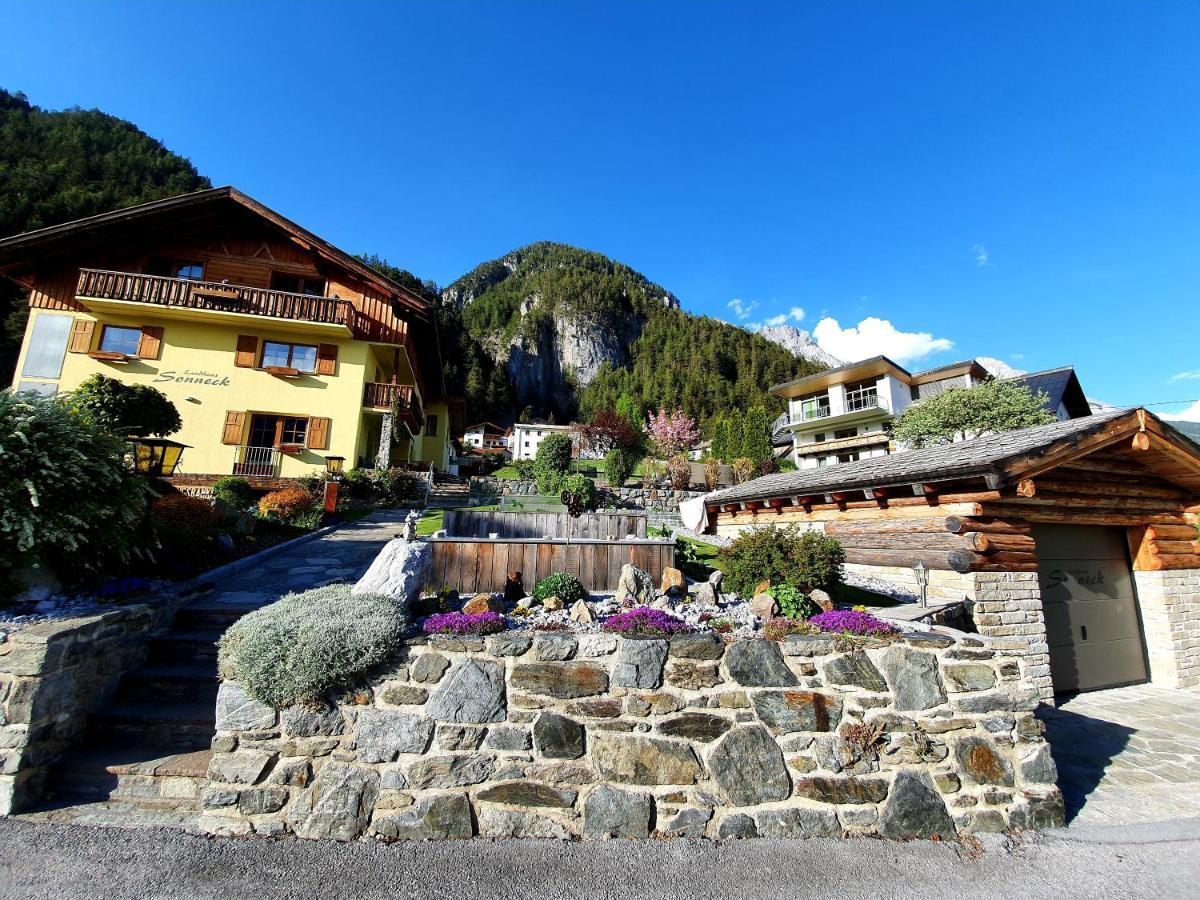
937, 181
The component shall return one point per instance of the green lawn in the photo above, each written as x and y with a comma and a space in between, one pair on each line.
430, 522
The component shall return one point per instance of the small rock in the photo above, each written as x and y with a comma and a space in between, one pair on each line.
582, 613
695, 726
552, 604
689, 822
506, 738
855, 670
707, 595
821, 598
482, 603
737, 825
764, 606
429, 668
672, 581
552, 647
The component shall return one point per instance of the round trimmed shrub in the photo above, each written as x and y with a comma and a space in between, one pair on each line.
566, 588
235, 491
552, 462
304, 645
286, 504
807, 559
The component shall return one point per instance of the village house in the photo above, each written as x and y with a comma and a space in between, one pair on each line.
283, 354
486, 436
527, 437
842, 415
1078, 538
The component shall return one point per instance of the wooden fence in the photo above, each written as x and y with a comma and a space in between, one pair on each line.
597, 526
473, 566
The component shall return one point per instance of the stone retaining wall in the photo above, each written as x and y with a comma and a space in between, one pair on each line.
51, 676
484, 490
530, 734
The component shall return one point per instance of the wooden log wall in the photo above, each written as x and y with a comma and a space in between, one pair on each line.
954, 543
472, 566
597, 526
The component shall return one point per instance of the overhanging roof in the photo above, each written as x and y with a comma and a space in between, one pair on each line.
1001, 459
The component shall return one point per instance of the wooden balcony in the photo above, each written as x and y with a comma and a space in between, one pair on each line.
378, 395
219, 297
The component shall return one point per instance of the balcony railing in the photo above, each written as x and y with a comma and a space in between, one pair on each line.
256, 461
864, 398
812, 411
184, 293
378, 395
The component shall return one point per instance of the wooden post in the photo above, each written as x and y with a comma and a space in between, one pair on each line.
331, 496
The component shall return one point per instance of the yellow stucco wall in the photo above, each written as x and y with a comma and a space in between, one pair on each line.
197, 373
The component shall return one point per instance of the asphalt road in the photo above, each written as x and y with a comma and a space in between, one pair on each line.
65, 861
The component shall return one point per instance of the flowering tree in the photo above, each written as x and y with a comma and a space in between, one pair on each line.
608, 431
672, 433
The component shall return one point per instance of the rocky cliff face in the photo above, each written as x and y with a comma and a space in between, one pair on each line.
800, 343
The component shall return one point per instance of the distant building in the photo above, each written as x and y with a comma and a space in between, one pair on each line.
486, 436
842, 415
526, 438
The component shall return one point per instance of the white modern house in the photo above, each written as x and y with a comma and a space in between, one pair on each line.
527, 437
842, 415
486, 436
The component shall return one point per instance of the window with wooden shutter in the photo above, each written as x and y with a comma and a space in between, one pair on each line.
318, 433
81, 335
327, 359
247, 351
235, 422
150, 346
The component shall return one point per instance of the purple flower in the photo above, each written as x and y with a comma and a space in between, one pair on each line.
849, 621
646, 621
465, 623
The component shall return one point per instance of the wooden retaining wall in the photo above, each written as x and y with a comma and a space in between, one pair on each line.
470, 565
598, 526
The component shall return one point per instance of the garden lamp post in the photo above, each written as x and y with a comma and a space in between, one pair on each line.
922, 574
333, 475
156, 457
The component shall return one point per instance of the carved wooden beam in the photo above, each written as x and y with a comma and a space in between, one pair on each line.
1027, 487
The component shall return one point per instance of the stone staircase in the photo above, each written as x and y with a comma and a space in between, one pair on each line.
449, 492
145, 755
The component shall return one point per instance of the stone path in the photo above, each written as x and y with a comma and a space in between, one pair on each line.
1128, 754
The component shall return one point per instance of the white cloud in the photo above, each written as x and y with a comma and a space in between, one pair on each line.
796, 314
776, 321
982, 258
1191, 414
1184, 376
741, 308
875, 337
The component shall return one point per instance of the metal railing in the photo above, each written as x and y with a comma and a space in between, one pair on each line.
378, 395
256, 461
809, 413
863, 398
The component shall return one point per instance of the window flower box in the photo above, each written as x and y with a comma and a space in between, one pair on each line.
290, 449
109, 356
282, 371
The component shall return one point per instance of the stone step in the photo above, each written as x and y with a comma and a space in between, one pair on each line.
113, 814
176, 646
170, 683
143, 776
178, 726
210, 616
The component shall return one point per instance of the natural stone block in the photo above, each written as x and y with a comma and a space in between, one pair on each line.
697, 646
593, 645
382, 734
563, 680
509, 643
748, 765
242, 767
607, 708
695, 726
1037, 766
218, 798
429, 668
440, 817
238, 711
969, 677
338, 805
258, 801
802, 822
758, 664
842, 790
787, 711
557, 737
450, 771
854, 670
505, 738
639, 662
498, 822
459, 737
657, 704
291, 772
560, 774
472, 692
304, 720
997, 701
915, 809
693, 676
610, 812
689, 822
403, 694
807, 645
636, 759
737, 825
982, 763
551, 647
528, 793
914, 678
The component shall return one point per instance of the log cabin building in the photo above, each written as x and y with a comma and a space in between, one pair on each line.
278, 349
1079, 538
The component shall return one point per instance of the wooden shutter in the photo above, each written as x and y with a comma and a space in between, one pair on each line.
327, 359
81, 335
150, 346
318, 433
234, 423
247, 351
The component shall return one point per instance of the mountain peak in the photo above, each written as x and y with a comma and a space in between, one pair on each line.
800, 343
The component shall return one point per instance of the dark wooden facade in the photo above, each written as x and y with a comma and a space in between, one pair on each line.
597, 526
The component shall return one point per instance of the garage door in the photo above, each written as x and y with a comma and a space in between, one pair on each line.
1092, 622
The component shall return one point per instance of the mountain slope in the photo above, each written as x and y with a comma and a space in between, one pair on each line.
571, 329
800, 343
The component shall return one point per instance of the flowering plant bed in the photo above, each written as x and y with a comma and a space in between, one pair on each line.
646, 621
465, 623
851, 621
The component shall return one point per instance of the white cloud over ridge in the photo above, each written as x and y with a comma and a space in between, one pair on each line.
794, 314
876, 337
1191, 414
741, 308
1184, 376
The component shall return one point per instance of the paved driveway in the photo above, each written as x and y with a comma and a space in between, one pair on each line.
1128, 755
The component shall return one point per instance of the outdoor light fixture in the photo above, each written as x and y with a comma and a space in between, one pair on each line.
334, 465
157, 457
922, 574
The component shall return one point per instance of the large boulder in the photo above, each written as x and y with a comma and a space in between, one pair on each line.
399, 571
338, 805
915, 809
748, 765
472, 692
610, 812
635, 587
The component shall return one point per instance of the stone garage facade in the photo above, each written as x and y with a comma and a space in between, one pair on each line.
1078, 538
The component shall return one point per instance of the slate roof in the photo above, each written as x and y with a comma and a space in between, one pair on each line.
1061, 387
981, 456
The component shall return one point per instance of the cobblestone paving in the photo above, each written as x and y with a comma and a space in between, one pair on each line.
1128, 754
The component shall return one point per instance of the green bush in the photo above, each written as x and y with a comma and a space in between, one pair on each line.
124, 409
579, 495
619, 466
305, 645
235, 491
525, 469
392, 487
67, 497
792, 602
784, 556
566, 588
552, 463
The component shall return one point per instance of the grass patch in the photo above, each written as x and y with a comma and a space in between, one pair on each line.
430, 521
